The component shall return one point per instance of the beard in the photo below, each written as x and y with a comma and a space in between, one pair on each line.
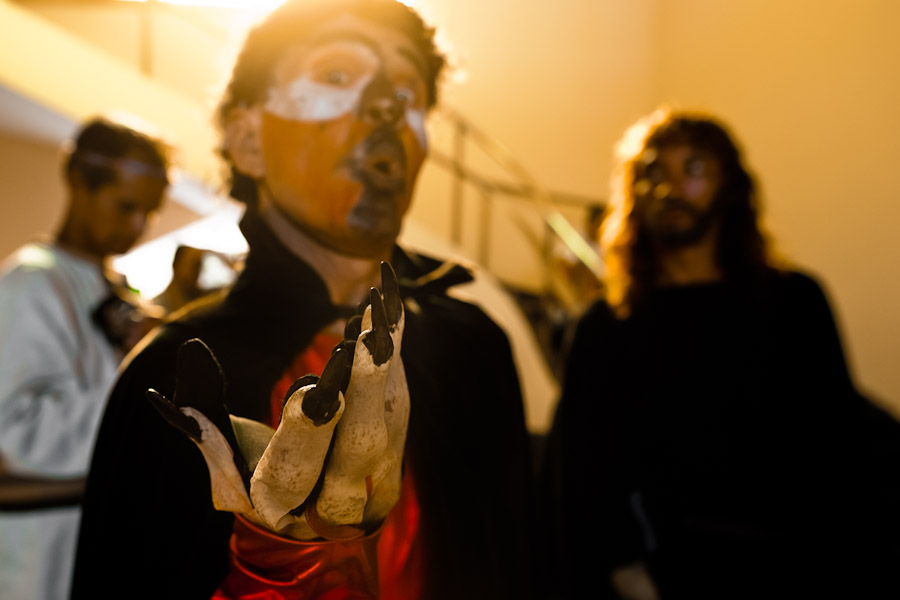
666, 231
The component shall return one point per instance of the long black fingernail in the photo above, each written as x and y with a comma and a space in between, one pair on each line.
174, 416
353, 327
379, 340
322, 402
391, 291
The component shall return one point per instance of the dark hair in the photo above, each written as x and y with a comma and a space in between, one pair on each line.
101, 147
291, 24
742, 250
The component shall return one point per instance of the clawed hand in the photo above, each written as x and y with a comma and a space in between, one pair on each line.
333, 467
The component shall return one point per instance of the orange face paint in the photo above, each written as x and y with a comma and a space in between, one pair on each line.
343, 135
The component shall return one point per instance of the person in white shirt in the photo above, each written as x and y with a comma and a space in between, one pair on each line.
64, 327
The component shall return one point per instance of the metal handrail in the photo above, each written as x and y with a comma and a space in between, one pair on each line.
526, 188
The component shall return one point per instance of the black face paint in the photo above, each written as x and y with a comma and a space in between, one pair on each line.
380, 102
379, 163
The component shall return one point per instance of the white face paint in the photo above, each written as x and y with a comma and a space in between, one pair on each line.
324, 83
306, 100
330, 82
416, 120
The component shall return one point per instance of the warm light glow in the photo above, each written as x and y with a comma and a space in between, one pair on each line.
149, 266
262, 5
255, 4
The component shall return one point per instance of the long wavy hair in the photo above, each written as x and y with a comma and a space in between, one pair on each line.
632, 268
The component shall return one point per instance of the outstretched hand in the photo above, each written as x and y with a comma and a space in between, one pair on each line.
333, 467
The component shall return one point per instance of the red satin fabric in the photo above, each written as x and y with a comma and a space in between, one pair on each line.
385, 565
264, 565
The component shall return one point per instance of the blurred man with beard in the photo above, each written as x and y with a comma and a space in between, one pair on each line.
64, 326
710, 441
323, 127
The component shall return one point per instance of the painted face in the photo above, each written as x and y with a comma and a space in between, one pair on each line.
343, 134
677, 191
117, 213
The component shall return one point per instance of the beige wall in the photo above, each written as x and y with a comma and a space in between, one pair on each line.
554, 81
178, 47
812, 88
33, 194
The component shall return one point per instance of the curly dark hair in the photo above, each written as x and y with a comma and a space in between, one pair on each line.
290, 24
742, 250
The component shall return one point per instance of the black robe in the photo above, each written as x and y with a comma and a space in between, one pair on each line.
716, 435
149, 528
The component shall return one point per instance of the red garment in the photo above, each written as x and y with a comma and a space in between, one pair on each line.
311, 360
386, 564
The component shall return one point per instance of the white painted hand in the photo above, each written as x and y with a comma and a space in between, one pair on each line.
275, 478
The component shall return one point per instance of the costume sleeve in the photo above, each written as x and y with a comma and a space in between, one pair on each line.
825, 394
586, 489
468, 447
148, 527
51, 395
858, 445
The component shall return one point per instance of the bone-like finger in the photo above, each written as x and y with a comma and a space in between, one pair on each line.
253, 437
198, 410
361, 437
289, 468
229, 492
388, 476
308, 379
328, 531
200, 384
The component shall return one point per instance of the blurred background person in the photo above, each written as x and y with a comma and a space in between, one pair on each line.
184, 286
66, 321
710, 441
196, 272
